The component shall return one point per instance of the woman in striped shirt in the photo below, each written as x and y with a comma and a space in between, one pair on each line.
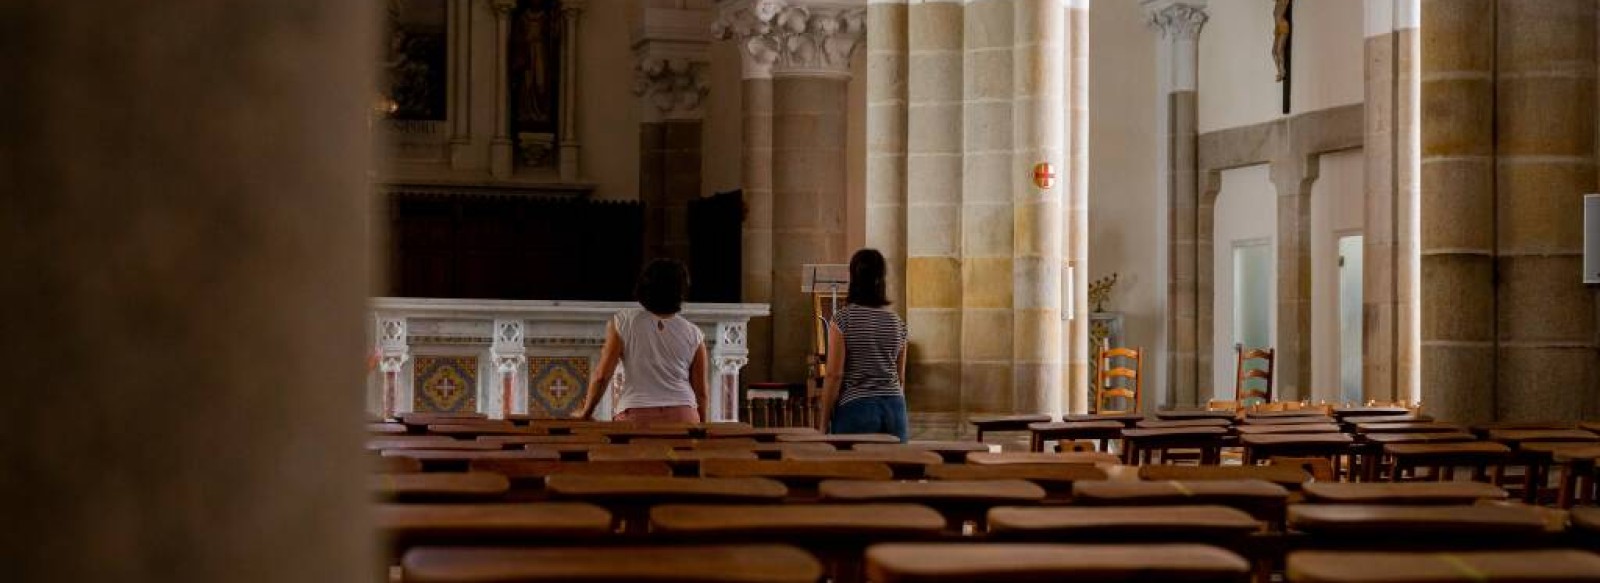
864, 392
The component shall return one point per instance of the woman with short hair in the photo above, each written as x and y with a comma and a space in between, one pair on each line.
663, 354
864, 389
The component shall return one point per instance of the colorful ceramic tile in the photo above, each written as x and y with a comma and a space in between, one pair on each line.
556, 385
445, 384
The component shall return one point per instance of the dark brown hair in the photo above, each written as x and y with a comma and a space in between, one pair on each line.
868, 279
662, 286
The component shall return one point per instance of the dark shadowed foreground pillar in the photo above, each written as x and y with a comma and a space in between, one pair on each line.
183, 227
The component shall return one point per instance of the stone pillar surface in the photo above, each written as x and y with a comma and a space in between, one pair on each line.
571, 11
1039, 213
1179, 23
1458, 208
1546, 365
500, 151
1291, 372
887, 71
670, 79
1077, 224
190, 333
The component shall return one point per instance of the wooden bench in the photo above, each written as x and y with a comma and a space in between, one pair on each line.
1263, 500
421, 442
800, 476
568, 426
440, 487
1408, 427
1126, 419
1056, 479
1541, 456
1302, 420
684, 462
1102, 431
1369, 448
1368, 526
450, 460
1141, 443
1537, 460
677, 564
405, 525
694, 443
527, 476
992, 423
906, 463
1405, 493
514, 441
1578, 475
422, 420
989, 459
628, 435
1444, 457
1482, 429
856, 522
1343, 413
1196, 422
1182, 414
574, 451
1123, 524
1586, 520
763, 434
954, 452
962, 501
1285, 414
1286, 428
1035, 562
381, 428
1289, 477
394, 465
469, 430
630, 497
1408, 418
1464, 567
839, 440
1262, 447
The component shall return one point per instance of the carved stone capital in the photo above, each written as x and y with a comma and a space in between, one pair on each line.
673, 88
1177, 19
793, 37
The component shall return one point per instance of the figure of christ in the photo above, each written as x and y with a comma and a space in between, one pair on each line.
1281, 29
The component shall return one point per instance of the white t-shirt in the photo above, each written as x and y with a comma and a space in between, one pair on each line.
656, 355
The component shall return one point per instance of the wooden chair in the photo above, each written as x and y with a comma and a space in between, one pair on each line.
993, 423
1102, 431
440, 487
1106, 387
1577, 475
1137, 443
404, 525
1261, 499
1404, 493
1527, 566
1444, 457
964, 502
1134, 524
1253, 385
1290, 477
455, 460
754, 564
1366, 526
1536, 460
1056, 479
953, 452
1032, 562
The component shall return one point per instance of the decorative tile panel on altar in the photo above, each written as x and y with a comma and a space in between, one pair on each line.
556, 385
445, 384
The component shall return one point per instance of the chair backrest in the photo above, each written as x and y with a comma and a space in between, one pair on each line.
1119, 382
1253, 380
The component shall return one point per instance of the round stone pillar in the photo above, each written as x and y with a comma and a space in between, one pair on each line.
187, 350
1458, 207
1040, 214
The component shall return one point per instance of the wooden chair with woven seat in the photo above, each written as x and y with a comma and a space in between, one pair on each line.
1119, 382
1252, 385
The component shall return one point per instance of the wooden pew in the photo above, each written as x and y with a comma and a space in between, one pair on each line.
1369, 449
1577, 475
684, 462
1342, 413
452, 460
1263, 500
1538, 461
1405, 493
724, 564
1130, 524
1182, 414
631, 496
382, 428
907, 464
1478, 455
395, 465
440, 487
1101, 431
835, 533
964, 502
1196, 422
1408, 427
1036, 562
1126, 419
1271, 429
1296, 420
527, 476
800, 476
763, 434
953, 452
517, 441
471, 430
1002, 458
420, 442
1262, 447
1365, 526
839, 440
406, 525
1056, 479
1143, 442
1289, 477
993, 423
1481, 566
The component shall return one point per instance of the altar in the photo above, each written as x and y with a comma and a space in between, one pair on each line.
501, 357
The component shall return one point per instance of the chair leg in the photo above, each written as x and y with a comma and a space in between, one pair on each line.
1568, 485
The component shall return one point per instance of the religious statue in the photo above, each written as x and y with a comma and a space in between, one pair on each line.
534, 73
414, 62
1281, 29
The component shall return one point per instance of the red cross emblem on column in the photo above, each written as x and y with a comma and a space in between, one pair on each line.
1044, 175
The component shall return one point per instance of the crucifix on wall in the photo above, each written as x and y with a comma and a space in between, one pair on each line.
1283, 43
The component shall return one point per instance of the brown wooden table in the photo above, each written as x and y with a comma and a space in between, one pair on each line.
1140, 443
1035, 562
1408, 427
1258, 448
800, 476
420, 442
1537, 460
1578, 475
1126, 419
1056, 479
763, 434
527, 476
1090, 458
1123, 524
992, 423
470, 430
1406, 493
440, 487
1446, 456
953, 452
381, 428
1531, 566
1298, 420
516, 441
1289, 477
1574, 459
1262, 499
405, 525
675, 564
839, 440
1102, 431
1369, 448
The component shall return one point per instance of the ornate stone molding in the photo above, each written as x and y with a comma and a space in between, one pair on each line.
793, 37
672, 63
1177, 19
675, 88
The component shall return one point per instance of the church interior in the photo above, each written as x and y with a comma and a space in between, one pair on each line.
1186, 290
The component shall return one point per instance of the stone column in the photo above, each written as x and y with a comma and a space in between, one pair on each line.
500, 161
749, 24
887, 71
809, 89
1077, 227
510, 358
1547, 365
1179, 23
459, 22
1292, 178
960, 325
1040, 215
571, 11
670, 72
190, 295
1458, 205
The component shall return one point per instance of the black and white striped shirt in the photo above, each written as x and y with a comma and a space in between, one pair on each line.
873, 341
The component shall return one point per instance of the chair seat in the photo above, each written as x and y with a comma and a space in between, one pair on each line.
1010, 457
1196, 422
410, 523
979, 492
1006, 422
468, 486
843, 440
1048, 476
426, 442
951, 451
1299, 420
1361, 520
536, 470
1387, 438
1402, 493
1031, 562
1176, 492
724, 564
1475, 452
1124, 418
783, 521
1287, 476
1516, 437
893, 457
1286, 439
1162, 523
1389, 567
1408, 427
651, 489
797, 471
1196, 414
1287, 428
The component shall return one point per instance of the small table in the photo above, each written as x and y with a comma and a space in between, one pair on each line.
1016, 562
1534, 565
1262, 447
1408, 427
1370, 447
1143, 524
1141, 442
993, 423
1101, 431
1537, 460
1286, 428
1126, 419
1446, 456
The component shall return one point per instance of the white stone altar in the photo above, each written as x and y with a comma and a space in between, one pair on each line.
458, 355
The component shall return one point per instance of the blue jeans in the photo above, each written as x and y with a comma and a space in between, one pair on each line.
872, 415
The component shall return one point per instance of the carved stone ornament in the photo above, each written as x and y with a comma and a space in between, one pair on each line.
793, 37
676, 87
1177, 19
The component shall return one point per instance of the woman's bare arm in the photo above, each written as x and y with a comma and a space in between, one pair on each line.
697, 381
833, 375
600, 380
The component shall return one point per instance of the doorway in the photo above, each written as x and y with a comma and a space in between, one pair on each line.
1350, 300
